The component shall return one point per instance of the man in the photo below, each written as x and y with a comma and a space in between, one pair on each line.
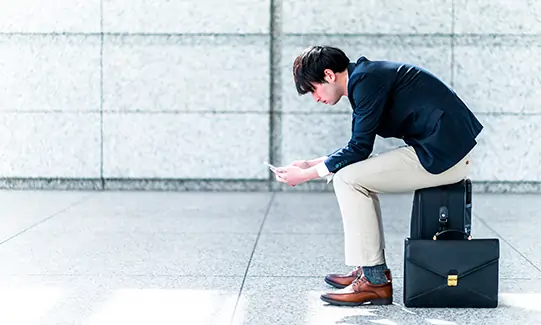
388, 99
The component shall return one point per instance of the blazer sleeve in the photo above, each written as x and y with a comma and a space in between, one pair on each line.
369, 93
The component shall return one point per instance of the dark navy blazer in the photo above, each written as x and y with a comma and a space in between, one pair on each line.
399, 100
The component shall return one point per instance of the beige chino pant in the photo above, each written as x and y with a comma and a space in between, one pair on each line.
356, 187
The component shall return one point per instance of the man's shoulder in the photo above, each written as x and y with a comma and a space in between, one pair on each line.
365, 72
359, 66
378, 71
364, 66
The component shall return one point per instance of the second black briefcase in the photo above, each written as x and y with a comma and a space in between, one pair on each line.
428, 203
451, 273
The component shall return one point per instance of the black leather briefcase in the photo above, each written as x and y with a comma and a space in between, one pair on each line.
454, 273
428, 203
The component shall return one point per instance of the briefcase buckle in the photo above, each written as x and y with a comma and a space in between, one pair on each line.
452, 280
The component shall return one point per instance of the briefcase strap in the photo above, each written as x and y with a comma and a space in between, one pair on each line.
443, 218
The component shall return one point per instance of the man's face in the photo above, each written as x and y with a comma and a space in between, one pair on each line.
328, 93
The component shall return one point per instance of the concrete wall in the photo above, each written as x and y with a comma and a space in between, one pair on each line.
181, 95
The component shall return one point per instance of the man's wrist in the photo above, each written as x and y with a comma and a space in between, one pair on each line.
322, 169
309, 174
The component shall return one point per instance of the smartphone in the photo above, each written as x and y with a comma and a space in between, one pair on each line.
271, 167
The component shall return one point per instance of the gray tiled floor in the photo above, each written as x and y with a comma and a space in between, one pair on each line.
227, 258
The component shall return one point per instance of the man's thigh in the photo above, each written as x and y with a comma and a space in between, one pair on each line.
397, 170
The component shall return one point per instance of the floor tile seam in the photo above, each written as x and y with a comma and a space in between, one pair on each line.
269, 205
506, 241
77, 202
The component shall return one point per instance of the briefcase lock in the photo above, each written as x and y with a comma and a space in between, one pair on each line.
452, 280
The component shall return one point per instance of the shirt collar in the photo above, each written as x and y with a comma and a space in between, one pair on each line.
351, 67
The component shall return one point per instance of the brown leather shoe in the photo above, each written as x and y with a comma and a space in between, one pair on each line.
361, 292
341, 281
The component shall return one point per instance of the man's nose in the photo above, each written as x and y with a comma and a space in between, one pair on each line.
316, 98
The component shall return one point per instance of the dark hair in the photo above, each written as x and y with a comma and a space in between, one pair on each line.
309, 67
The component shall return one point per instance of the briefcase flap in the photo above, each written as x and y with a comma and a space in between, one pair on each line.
441, 256
451, 273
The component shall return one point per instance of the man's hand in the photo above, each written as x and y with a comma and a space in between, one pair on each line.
305, 164
300, 163
298, 172
291, 175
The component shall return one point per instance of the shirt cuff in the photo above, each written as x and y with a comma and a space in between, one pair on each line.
322, 169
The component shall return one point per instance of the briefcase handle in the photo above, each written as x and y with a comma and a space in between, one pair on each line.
451, 230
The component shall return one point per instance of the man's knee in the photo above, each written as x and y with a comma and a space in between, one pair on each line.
342, 176
352, 175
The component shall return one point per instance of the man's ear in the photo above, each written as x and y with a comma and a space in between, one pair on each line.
330, 76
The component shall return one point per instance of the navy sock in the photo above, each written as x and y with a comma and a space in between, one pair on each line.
375, 274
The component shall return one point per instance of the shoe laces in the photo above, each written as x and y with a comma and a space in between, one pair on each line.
358, 281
